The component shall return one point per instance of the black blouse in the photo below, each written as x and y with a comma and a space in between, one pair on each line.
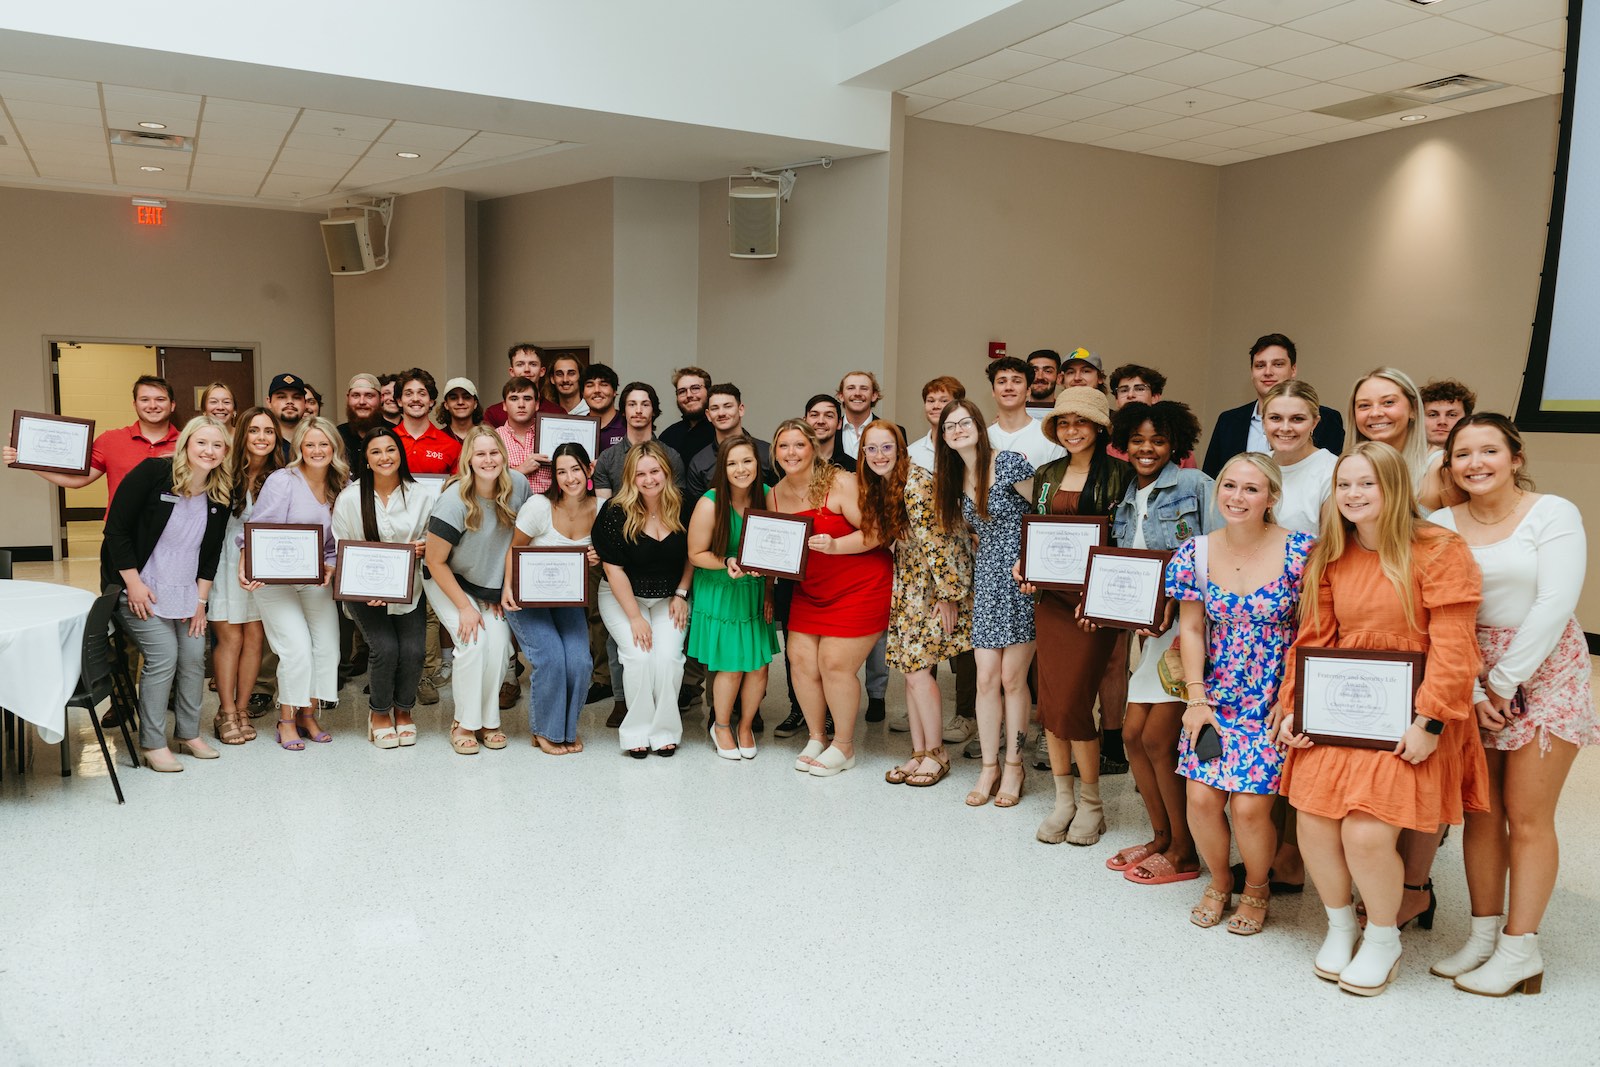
654, 568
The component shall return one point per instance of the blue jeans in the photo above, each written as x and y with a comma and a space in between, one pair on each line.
556, 642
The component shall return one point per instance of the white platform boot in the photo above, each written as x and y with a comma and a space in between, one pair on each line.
1339, 947
1375, 965
1516, 965
1476, 952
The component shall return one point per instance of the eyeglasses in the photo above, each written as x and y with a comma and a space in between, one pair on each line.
878, 450
960, 424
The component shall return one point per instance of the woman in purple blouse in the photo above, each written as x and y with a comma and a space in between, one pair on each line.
301, 622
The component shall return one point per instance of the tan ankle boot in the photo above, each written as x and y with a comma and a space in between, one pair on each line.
1053, 830
1090, 821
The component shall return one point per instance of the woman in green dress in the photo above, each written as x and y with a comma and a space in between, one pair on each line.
731, 629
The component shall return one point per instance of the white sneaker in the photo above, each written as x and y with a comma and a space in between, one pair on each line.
958, 729
900, 722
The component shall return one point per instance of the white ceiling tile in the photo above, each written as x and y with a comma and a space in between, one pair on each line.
948, 86
1552, 34
1420, 38
1258, 83
334, 124
223, 184
1131, 16
1275, 11
25, 111
207, 147
1071, 108
1130, 54
1183, 129
1009, 97
1504, 16
1190, 102
1272, 45
128, 98
1489, 52
231, 165
917, 103
349, 146
1223, 158
1434, 113
1335, 62
82, 138
1281, 145
1021, 122
1181, 150
1525, 71
15, 164
496, 145
1065, 76
419, 135
240, 113
1132, 118
1345, 132
1247, 113
15, 87
1064, 41
310, 167
1394, 76
1511, 94
1547, 86
1311, 97
80, 167
129, 120
1238, 137
1357, 19
1130, 89
1196, 68
1132, 142
1004, 64
963, 113
1081, 132
1305, 123
1202, 29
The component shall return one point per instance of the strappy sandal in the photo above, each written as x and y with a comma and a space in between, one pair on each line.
898, 774
978, 798
226, 728
383, 736
492, 739
245, 729
407, 733
462, 740
320, 736
295, 745
1009, 800
1243, 925
923, 779
1203, 916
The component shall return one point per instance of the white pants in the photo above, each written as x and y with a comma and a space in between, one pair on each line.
479, 663
650, 679
302, 627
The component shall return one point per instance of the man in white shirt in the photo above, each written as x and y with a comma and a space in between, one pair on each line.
1013, 429
858, 392
945, 389
566, 375
1046, 364
823, 416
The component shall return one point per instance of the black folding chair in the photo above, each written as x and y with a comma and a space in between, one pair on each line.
5, 563
124, 697
95, 684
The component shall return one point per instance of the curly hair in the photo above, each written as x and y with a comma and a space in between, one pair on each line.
1170, 418
882, 499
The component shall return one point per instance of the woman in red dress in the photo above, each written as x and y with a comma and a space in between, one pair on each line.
842, 606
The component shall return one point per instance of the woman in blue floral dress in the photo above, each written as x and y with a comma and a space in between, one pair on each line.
1248, 599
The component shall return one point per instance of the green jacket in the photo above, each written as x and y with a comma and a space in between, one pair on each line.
1116, 477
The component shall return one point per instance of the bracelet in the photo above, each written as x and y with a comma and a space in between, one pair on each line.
1197, 703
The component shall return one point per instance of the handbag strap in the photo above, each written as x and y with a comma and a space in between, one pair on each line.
1202, 566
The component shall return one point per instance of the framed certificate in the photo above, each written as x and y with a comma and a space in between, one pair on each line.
1055, 549
1040, 412
364, 571
552, 431
774, 543
434, 483
550, 577
1355, 696
281, 553
1125, 587
51, 442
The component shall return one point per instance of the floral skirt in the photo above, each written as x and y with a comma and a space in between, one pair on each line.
1558, 696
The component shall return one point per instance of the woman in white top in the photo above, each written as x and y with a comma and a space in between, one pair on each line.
388, 504
1533, 701
555, 640
1290, 413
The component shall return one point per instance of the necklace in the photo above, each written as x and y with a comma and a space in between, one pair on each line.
1252, 556
1515, 504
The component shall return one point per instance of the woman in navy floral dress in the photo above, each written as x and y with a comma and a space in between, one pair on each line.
1249, 604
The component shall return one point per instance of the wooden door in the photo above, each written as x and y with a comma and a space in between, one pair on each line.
190, 370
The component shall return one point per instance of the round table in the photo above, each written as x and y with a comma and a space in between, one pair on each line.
41, 651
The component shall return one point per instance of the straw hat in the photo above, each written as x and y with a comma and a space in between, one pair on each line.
1080, 400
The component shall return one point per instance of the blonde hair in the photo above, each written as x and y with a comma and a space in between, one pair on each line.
1399, 525
1415, 452
631, 501
1294, 389
1269, 470
822, 472
338, 473
219, 483
505, 514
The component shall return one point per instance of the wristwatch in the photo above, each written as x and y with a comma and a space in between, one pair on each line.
681, 593
1433, 726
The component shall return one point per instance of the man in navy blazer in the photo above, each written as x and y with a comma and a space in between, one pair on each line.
1272, 360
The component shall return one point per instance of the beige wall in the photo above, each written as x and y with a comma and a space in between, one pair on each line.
76, 267
655, 278
1046, 244
96, 383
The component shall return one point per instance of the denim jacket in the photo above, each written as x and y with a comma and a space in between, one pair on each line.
1180, 508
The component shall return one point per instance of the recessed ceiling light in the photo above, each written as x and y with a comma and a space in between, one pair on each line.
1412, 118
154, 125
151, 170
1424, 3
409, 155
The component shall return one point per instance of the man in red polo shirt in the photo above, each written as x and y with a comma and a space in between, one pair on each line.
429, 450
116, 452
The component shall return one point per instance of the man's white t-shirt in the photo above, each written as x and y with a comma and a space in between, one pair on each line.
1030, 441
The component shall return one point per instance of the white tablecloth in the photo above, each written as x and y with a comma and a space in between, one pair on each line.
41, 651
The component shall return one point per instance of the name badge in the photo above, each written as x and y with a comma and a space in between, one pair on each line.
170, 498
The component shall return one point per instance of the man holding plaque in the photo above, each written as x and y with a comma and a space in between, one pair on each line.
519, 434
116, 452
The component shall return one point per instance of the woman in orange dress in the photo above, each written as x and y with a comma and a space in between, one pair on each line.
1385, 580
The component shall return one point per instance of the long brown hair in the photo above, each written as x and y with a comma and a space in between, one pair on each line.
1508, 429
722, 492
822, 472
950, 472
883, 499
247, 485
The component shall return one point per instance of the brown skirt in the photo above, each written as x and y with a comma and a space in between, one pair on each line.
1071, 665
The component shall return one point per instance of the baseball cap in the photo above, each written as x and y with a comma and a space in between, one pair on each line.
1083, 355
459, 383
287, 383
368, 380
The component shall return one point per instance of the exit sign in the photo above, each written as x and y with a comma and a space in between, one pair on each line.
147, 215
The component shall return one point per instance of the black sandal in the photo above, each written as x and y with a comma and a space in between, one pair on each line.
638, 753
667, 750
1277, 888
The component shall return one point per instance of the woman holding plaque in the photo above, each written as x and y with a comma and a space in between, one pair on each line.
469, 535
301, 621
555, 639
930, 615
1086, 481
388, 504
163, 538
644, 596
841, 607
1534, 704
987, 490
1380, 579
1237, 618
1163, 506
732, 631
235, 619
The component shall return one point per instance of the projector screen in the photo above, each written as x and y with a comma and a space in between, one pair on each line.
1561, 387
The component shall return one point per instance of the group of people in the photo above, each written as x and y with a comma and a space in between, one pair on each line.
1423, 535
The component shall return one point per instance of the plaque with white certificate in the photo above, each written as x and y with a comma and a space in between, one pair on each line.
1358, 697
434, 483
551, 431
278, 553
774, 543
1125, 588
51, 442
375, 571
1055, 549
550, 577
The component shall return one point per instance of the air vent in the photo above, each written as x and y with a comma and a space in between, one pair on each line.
1445, 89
170, 142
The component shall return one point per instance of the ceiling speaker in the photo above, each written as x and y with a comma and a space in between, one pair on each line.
753, 221
356, 239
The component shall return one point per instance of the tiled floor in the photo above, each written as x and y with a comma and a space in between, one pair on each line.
349, 905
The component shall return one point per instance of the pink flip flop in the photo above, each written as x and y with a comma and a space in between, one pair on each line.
1134, 855
1161, 871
